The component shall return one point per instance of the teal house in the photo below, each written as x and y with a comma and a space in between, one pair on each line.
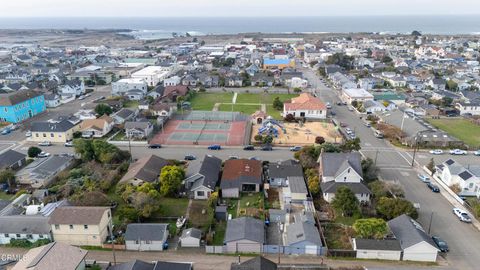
21, 105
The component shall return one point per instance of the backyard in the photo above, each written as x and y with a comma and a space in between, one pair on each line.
462, 129
172, 207
252, 205
200, 215
337, 236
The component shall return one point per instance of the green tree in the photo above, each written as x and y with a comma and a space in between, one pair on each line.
277, 104
390, 208
351, 145
369, 170
102, 109
297, 90
212, 200
258, 138
451, 85
33, 151
345, 202
7, 177
378, 189
431, 166
267, 139
170, 180
314, 185
370, 228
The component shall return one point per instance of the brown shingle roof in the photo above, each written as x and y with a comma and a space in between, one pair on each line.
146, 169
98, 123
305, 102
17, 97
87, 215
238, 171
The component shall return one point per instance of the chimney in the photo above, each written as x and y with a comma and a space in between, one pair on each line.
238, 259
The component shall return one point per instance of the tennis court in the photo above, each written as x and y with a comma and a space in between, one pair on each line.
204, 137
204, 126
212, 116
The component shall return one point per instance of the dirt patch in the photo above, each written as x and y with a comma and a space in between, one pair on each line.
201, 216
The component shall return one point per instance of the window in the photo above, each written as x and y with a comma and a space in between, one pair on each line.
6, 235
344, 179
6, 109
348, 170
200, 193
18, 235
44, 135
52, 135
136, 242
71, 227
57, 227
148, 242
40, 236
36, 134
108, 214
29, 236
470, 185
85, 227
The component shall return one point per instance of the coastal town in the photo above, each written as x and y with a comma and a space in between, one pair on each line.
288, 151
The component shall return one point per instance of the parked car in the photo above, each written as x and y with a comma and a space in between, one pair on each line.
43, 155
424, 178
368, 125
295, 148
462, 215
333, 113
28, 134
343, 124
266, 147
249, 147
253, 158
190, 157
350, 108
433, 187
214, 147
45, 143
458, 152
476, 153
154, 146
328, 105
441, 244
233, 157
436, 152
68, 144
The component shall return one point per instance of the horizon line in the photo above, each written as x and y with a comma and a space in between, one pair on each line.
241, 16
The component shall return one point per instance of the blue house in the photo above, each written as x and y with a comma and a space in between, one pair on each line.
21, 105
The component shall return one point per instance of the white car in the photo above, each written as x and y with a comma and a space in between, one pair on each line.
68, 144
329, 106
28, 134
462, 215
458, 152
476, 153
424, 178
45, 143
436, 152
43, 155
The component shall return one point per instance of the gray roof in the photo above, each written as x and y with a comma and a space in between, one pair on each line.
191, 232
356, 188
24, 225
209, 168
409, 232
44, 168
257, 263
335, 163
303, 231
137, 125
133, 265
146, 169
124, 113
172, 266
284, 169
297, 184
17, 97
10, 157
245, 228
145, 231
61, 126
373, 244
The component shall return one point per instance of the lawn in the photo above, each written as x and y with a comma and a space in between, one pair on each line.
252, 205
246, 109
219, 235
462, 129
336, 236
264, 98
5, 196
172, 207
201, 215
130, 104
274, 113
232, 207
206, 101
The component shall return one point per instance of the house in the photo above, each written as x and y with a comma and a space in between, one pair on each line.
437, 84
416, 244
467, 178
372, 106
244, 235
52, 100
191, 237
383, 249
342, 169
278, 173
97, 128
172, 81
31, 228
53, 256
41, 171
356, 94
123, 115
138, 129
12, 160
157, 92
155, 265
54, 132
202, 176
269, 63
120, 87
303, 238
146, 169
152, 75
173, 92
81, 225
262, 79
21, 105
296, 190
146, 236
305, 106
162, 109
472, 108
241, 175
134, 94
73, 87
234, 81
257, 263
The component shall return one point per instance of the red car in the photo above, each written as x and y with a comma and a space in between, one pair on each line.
343, 124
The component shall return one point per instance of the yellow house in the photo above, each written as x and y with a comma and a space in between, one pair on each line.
81, 225
54, 132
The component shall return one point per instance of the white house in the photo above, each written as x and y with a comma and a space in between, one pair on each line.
152, 75
97, 128
384, 249
73, 87
202, 176
452, 172
31, 228
305, 106
52, 100
356, 94
146, 236
296, 190
172, 81
191, 237
372, 106
342, 169
120, 87
472, 108
297, 82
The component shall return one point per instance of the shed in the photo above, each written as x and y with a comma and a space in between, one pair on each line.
384, 249
221, 212
191, 237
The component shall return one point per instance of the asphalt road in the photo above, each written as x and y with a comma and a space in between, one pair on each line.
395, 165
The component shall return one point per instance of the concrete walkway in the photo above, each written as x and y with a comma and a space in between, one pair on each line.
234, 99
264, 108
216, 106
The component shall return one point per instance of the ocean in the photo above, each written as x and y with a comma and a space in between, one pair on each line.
448, 24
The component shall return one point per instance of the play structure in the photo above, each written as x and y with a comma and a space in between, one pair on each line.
269, 127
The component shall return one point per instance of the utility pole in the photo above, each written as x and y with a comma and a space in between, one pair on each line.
376, 155
113, 246
414, 150
430, 224
130, 148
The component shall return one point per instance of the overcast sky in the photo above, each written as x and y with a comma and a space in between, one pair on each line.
212, 8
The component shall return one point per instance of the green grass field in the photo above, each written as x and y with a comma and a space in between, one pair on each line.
173, 207
462, 129
206, 101
264, 98
246, 109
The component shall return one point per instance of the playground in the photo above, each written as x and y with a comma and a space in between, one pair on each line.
290, 134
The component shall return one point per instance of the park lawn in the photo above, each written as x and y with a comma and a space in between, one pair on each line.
246, 109
206, 101
172, 207
462, 129
264, 98
130, 104
274, 113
